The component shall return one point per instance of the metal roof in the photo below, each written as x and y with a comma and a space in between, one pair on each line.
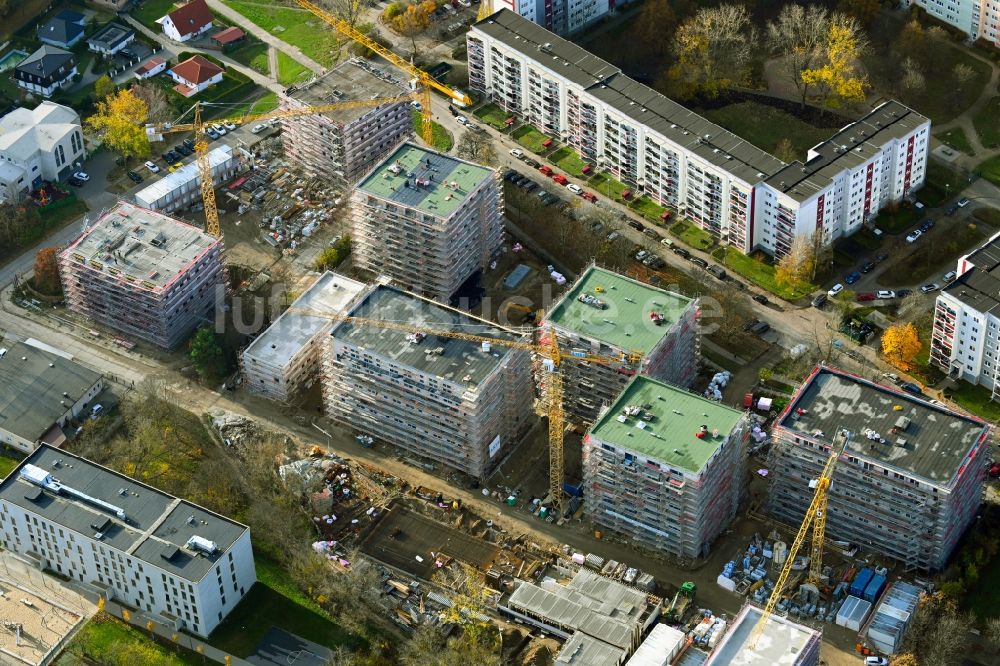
781, 643
659, 648
583, 650
171, 182
892, 616
979, 287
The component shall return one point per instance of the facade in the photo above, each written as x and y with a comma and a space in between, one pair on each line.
738, 193
345, 144
182, 188
965, 341
287, 358
665, 467
195, 75
45, 71
37, 145
64, 30
909, 482
455, 402
143, 273
189, 21
783, 643
562, 17
980, 19
429, 221
173, 560
151, 68
40, 393
641, 328
111, 39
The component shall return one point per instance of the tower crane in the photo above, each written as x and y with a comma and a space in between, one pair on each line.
816, 518
156, 131
422, 78
547, 348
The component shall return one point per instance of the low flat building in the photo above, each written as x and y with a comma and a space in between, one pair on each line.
660, 648
229, 37
638, 327
287, 358
111, 39
40, 394
174, 561
665, 467
37, 145
782, 643
45, 71
150, 68
182, 188
893, 616
909, 482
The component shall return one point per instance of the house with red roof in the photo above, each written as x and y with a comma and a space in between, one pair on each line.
195, 75
188, 21
151, 68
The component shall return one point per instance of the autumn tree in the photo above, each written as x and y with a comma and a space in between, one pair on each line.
961, 76
901, 344
913, 80
713, 50
477, 147
414, 20
158, 109
798, 35
103, 87
798, 265
838, 78
905, 659
119, 123
346, 10
207, 355
45, 275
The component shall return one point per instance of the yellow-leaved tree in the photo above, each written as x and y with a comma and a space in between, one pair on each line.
798, 265
901, 344
839, 78
119, 123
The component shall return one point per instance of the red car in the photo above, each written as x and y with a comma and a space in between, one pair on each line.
547, 143
665, 215
586, 169
865, 296
994, 470
559, 178
627, 194
547, 170
589, 196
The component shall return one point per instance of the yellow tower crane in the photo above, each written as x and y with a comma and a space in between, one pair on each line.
816, 518
552, 356
421, 78
155, 132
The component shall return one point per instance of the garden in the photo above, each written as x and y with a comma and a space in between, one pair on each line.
693, 235
760, 271
295, 26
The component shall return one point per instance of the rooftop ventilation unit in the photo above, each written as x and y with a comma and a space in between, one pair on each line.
202, 545
39, 477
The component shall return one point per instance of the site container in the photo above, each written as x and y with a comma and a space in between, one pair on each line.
861, 581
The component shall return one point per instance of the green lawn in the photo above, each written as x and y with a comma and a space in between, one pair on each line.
530, 138
254, 104
8, 462
762, 274
493, 115
291, 71
765, 126
990, 170
295, 26
693, 235
567, 160
896, 222
955, 138
443, 141
275, 601
604, 183
254, 56
987, 123
976, 399
649, 209
104, 637
150, 10
942, 184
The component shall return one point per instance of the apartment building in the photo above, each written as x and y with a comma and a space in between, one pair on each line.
639, 328
430, 221
287, 358
665, 467
455, 402
738, 193
37, 145
563, 17
980, 19
909, 482
782, 642
183, 565
345, 144
965, 341
143, 273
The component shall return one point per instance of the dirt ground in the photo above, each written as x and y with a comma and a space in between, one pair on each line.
42, 625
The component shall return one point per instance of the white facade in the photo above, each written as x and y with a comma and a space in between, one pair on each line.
980, 19
193, 87
183, 187
563, 17
184, 565
38, 145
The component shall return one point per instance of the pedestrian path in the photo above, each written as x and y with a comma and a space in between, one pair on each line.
294, 52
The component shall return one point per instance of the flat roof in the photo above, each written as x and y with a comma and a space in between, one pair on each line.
156, 525
354, 79
458, 361
583, 650
666, 430
182, 177
150, 247
938, 440
32, 384
111, 34
330, 293
978, 288
660, 647
781, 643
428, 181
625, 322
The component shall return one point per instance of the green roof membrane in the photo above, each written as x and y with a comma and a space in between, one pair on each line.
624, 322
425, 180
666, 429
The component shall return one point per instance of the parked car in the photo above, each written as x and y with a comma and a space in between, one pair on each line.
926, 226
910, 387
881, 256
614, 235
534, 164
995, 470
219, 129
760, 298
259, 127
819, 300
652, 234
698, 261
852, 277
885, 294
174, 167
750, 324
760, 328
928, 288
903, 293
559, 178
170, 157
865, 296
181, 149
229, 126
133, 176
641, 254
657, 263
636, 225
529, 185
188, 143
834, 290
96, 411
681, 252
717, 271
963, 202
546, 169
211, 133
574, 188
81, 175
589, 196
517, 152
950, 276
868, 267
152, 167
74, 181
914, 235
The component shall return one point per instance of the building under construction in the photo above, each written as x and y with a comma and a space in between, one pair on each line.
343, 145
652, 331
456, 402
665, 467
782, 642
909, 482
143, 273
287, 358
427, 220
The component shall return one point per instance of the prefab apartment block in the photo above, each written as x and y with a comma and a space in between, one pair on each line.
427, 220
343, 145
287, 358
640, 328
665, 467
455, 402
143, 273
909, 482
782, 642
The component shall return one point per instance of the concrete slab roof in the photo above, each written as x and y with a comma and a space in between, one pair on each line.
978, 287
431, 182
452, 359
779, 645
330, 293
37, 387
937, 440
149, 247
583, 650
170, 521
624, 323
668, 433
355, 79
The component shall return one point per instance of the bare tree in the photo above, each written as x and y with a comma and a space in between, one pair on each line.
962, 75
785, 150
913, 79
156, 101
798, 35
346, 10
477, 147
714, 49
798, 265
